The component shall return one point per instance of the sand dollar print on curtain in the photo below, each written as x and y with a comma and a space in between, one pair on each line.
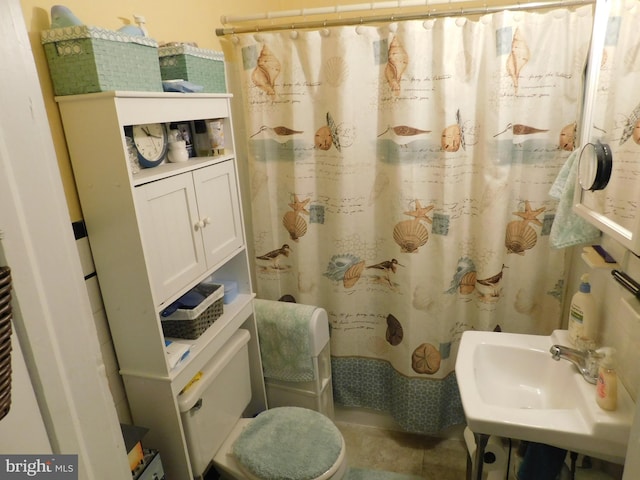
400, 178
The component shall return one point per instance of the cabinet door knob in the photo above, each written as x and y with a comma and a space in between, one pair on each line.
199, 224
207, 220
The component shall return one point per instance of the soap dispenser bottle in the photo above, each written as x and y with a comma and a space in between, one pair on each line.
582, 315
607, 384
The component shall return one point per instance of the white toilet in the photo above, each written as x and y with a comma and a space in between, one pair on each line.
282, 443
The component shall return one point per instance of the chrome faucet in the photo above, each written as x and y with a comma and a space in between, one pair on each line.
587, 361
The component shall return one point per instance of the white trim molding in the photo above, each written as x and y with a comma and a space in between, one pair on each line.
52, 313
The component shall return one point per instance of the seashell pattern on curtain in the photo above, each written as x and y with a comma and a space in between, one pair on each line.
406, 169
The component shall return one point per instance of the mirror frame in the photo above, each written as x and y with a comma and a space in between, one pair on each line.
629, 239
599, 167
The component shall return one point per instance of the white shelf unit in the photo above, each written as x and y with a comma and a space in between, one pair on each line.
316, 394
149, 249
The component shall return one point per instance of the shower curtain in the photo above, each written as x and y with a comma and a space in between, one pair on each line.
399, 178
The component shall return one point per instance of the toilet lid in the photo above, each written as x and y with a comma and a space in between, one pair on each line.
289, 443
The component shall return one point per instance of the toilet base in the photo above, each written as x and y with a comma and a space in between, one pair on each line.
223, 460
225, 463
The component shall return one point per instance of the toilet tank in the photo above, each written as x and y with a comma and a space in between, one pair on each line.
212, 405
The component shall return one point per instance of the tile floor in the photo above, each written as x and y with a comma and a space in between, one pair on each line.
433, 458
381, 449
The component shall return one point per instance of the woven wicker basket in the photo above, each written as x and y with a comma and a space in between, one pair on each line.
5, 341
86, 59
182, 324
197, 65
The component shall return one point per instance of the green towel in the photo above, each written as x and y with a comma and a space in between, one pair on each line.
283, 331
569, 228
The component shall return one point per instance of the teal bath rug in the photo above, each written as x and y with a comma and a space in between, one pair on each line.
364, 474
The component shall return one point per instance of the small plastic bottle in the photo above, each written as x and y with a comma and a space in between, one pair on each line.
203, 146
607, 385
141, 21
582, 314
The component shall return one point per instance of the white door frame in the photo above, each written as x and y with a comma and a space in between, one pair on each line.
52, 314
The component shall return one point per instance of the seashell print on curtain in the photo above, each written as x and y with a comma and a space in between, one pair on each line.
399, 179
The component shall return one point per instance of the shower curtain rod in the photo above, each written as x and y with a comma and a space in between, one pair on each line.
449, 11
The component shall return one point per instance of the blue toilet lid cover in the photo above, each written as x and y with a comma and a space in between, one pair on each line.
289, 443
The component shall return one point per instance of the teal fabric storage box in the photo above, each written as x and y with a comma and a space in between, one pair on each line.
85, 59
197, 65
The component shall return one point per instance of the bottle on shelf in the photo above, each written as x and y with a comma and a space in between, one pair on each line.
582, 315
202, 143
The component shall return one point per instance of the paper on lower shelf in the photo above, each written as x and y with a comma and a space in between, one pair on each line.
177, 351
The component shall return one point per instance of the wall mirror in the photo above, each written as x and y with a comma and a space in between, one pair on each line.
611, 117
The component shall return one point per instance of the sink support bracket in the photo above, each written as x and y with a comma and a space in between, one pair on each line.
475, 472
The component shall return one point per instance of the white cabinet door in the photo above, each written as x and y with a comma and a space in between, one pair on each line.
219, 209
170, 228
189, 223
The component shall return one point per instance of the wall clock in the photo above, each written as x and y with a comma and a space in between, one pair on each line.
150, 140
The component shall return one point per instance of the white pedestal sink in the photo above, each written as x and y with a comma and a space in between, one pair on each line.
511, 387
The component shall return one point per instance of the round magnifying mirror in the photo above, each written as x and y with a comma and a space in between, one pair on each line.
594, 167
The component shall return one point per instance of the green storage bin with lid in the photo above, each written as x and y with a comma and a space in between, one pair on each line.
86, 59
196, 65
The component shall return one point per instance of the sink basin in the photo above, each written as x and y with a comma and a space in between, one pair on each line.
511, 387
513, 377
